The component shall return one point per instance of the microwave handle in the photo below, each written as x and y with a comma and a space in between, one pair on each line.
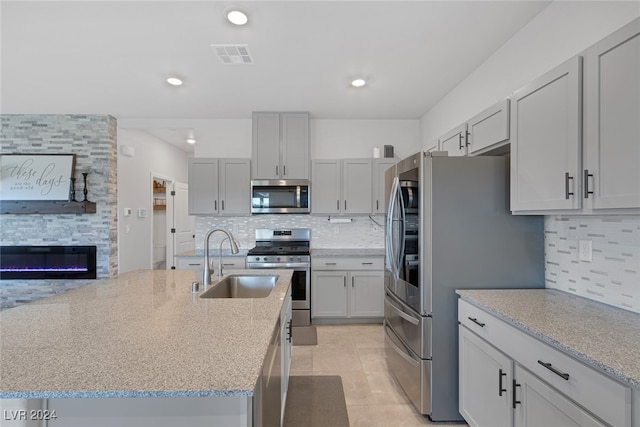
297, 194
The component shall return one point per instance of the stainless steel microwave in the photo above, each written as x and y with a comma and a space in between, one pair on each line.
280, 196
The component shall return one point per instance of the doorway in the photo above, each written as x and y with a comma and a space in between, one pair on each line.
173, 227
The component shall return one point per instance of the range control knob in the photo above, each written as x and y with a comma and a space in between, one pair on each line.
278, 259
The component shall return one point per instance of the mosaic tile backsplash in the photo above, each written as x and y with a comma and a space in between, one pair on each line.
361, 232
613, 275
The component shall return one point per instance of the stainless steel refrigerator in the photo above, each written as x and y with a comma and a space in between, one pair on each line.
448, 227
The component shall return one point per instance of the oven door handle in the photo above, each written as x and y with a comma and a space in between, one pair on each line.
389, 302
261, 265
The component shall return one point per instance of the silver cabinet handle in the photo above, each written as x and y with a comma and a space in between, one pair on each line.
284, 170
215, 205
476, 321
222, 205
277, 171
352, 280
460, 141
567, 193
550, 367
345, 281
337, 205
329, 263
345, 205
587, 175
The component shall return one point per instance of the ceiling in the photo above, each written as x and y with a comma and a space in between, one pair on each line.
113, 57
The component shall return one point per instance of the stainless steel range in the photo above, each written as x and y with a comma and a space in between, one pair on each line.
287, 248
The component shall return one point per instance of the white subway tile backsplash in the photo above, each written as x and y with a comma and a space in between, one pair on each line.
613, 275
362, 232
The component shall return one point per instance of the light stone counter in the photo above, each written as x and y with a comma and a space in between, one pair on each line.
142, 334
599, 335
347, 252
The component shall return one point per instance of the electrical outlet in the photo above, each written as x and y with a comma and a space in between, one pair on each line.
585, 250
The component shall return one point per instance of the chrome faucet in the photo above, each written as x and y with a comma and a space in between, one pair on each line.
207, 269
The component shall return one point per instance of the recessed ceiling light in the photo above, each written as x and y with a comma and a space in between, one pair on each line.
174, 81
191, 141
358, 83
237, 17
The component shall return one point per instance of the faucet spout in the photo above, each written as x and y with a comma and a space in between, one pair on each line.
207, 268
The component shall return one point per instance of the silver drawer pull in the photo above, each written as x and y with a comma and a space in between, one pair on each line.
367, 263
197, 263
550, 367
477, 322
329, 263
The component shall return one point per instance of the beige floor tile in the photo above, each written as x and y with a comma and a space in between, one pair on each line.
356, 353
372, 359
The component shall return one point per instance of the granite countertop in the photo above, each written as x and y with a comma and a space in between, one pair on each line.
599, 335
347, 252
141, 334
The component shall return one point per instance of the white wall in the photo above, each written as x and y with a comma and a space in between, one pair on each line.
134, 191
560, 31
329, 139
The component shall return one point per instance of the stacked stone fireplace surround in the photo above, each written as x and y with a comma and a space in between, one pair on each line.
92, 138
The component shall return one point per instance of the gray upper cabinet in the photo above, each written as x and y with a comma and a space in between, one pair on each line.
484, 132
455, 141
546, 132
489, 129
219, 186
612, 121
326, 186
280, 145
378, 201
341, 186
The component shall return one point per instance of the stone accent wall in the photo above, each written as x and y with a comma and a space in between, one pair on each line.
92, 138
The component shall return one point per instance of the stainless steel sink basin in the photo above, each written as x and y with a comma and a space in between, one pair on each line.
242, 286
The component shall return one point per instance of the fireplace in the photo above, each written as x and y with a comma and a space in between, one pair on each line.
47, 262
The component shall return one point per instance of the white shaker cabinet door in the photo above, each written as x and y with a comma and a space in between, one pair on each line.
325, 186
546, 141
203, 186
455, 141
265, 148
612, 125
235, 186
329, 294
367, 294
294, 146
485, 376
538, 404
356, 186
489, 128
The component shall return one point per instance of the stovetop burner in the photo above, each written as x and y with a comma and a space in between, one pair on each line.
282, 242
279, 250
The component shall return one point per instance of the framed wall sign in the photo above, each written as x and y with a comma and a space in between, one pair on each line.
36, 176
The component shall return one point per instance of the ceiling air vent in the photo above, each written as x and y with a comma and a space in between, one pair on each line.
233, 54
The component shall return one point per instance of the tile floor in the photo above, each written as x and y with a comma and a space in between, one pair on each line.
356, 353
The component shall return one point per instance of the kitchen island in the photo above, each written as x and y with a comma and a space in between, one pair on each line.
141, 335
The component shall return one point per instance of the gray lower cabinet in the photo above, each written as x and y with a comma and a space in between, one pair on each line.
219, 186
347, 288
197, 262
509, 378
341, 186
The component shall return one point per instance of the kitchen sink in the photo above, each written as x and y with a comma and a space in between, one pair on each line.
242, 286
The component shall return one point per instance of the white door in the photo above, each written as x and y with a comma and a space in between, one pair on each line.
182, 223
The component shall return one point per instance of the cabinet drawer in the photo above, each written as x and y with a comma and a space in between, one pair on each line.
349, 263
600, 394
189, 263
478, 320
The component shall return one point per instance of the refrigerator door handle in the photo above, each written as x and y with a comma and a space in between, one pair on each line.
389, 302
402, 353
